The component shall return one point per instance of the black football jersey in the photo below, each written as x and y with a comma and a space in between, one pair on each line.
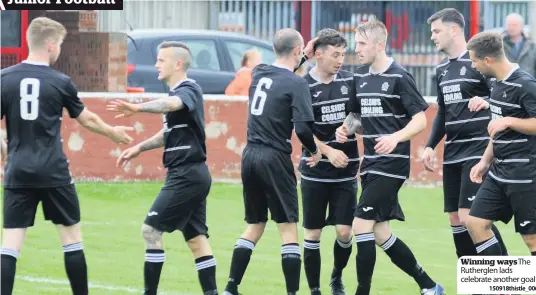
184, 129
387, 101
466, 131
331, 104
33, 98
277, 99
514, 152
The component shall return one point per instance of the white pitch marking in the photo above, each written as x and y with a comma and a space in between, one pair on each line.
92, 285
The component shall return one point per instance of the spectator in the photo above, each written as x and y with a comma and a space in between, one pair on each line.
518, 47
240, 84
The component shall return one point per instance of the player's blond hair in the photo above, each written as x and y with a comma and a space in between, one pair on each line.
374, 30
42, 29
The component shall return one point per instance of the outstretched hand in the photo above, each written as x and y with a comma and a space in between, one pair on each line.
125, 109
119, 134
128, 155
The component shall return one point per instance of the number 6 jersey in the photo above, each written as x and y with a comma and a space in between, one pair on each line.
278, 98
33, 98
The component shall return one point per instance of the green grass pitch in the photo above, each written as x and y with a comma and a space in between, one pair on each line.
112, 215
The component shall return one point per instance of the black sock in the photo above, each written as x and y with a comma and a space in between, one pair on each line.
533, 253
291, 262
75, 265
489, 247
241, 256
206, 270
154, 260
402, 257
311, 263
462, 241
497, 234
341, 255
8, 265
365, 261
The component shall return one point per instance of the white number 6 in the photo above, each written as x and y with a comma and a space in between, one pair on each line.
29, 102
258, 106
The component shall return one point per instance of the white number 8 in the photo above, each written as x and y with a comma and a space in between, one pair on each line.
29, 102
257, 107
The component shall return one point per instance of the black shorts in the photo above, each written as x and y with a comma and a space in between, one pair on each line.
182, 202
317, 197
60, 205
269, 183
501, 201
458, 189
379, 198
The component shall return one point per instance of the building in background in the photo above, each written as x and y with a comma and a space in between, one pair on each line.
409, 34
159, 15
14, 46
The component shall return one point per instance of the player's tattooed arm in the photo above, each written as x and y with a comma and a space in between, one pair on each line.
353, 122
162, 105
157, 106
156, 141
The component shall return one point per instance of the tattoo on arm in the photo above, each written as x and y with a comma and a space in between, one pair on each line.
162, 105
353, 121
154, 142
153, 237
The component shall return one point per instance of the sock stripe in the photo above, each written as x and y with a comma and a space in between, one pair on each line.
243, 243
73, 247
392, 239
290, 249
313, 245
487, 244
364, 237
205, 264
458, 229
345, 245
155, 257
10, 252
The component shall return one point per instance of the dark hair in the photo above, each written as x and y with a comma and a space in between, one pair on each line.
448, 15
285, 40
177, 44
486, 44
328, 37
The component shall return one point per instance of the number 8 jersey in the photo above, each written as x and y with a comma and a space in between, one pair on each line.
33, 98
277, 99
